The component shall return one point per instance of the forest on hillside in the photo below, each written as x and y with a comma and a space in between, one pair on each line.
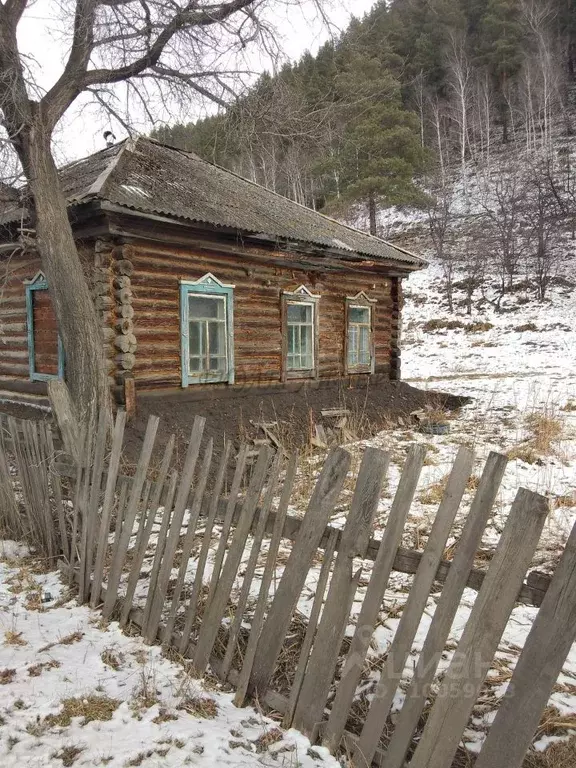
423, 103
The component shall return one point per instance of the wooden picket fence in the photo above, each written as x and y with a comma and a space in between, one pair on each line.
208, 561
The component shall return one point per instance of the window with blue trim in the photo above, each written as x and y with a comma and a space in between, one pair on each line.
45, 349
207, 331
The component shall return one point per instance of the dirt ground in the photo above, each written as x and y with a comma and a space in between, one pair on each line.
295, 413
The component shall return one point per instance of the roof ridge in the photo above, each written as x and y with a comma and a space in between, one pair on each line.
283, 197
97, 187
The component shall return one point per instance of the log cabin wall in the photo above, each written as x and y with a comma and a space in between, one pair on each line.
258, 333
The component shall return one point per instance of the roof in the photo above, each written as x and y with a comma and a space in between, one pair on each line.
146, 176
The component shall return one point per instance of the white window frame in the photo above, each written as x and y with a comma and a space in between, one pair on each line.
206, 286
302, 296
360, 301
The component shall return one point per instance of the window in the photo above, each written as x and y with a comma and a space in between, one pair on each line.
45, 349
359, 336
207, 331
300, 323
300, 334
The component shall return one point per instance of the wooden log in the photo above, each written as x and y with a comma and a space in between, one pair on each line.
126, 361
456, 580
124, 267
412, 613
108, 334
479, 642
125, 343
122, 281
320, 507
353, 543
535, 674
383, 565
126, 311
103, 302
125, 326
123, 295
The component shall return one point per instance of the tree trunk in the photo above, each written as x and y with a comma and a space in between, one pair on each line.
372, 213
85, 372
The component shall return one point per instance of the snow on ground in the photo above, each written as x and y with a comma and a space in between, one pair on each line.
75, 691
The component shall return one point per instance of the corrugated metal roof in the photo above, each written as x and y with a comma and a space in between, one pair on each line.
146, 176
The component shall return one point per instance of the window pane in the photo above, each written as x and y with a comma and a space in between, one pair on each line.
364, 351
206, 306
299, 313
195, 364
291, 341
195, 338
359, 315
216, 338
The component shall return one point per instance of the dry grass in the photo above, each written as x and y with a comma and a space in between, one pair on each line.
68, 754
36, 669
199, 706
7, 676
12, 637
111, 659
546, 431
89, 708
559, 755
434, 493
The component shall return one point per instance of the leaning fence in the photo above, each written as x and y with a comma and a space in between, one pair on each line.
210, 561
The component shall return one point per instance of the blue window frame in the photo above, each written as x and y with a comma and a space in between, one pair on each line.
38, 283
207, 331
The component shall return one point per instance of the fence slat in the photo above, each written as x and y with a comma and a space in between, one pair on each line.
227, 522
537, 670
310, 629
94, 501
445, 612
83, 505
381, 571
414, 608
250, 567
269, 570
107, 505
113, 580
189, 538
160, 588
335, 617
191, 611
479, 642
321, 505
212, 619
161, 485
56, 484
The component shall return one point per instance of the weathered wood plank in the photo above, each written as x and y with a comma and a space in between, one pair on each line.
182, 494
251, 566
399, 651
213, 617
269, 570
190, 534
161, 483
107, 505
135, 493
540, 663
321, 504
230, 509
354, 542
191, 611
383, 565
445, 612
479, 642
310, 630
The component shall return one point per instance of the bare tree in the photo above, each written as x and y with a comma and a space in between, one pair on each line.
167, 47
